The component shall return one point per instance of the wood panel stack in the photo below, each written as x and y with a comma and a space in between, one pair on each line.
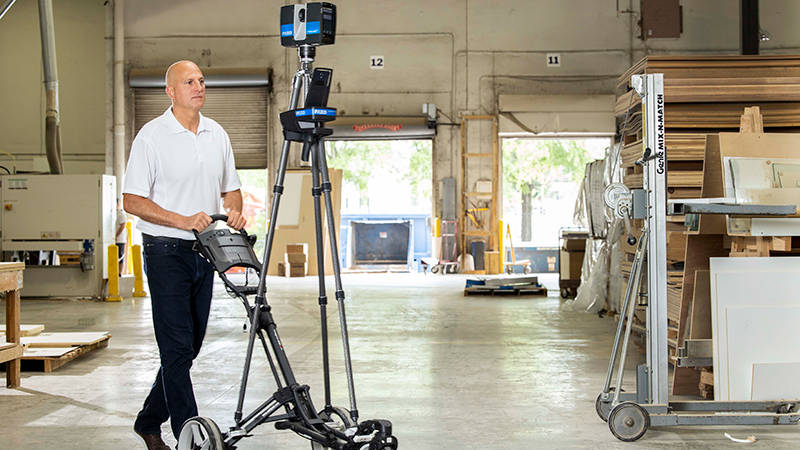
703, 95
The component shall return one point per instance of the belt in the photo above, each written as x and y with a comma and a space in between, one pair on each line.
182, 243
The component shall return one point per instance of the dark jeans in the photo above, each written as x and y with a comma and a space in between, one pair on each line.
180, 283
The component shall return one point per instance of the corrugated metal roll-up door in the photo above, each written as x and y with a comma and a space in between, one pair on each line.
242, 112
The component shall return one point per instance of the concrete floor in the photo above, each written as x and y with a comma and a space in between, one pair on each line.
451, 372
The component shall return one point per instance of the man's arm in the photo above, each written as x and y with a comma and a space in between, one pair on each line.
232, 202
148, 210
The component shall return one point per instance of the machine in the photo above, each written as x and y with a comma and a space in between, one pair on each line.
630, 414
60, 226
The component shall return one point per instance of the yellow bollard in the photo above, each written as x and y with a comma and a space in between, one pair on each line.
501, 246
437, 228
138, 280
128, 241
113, 274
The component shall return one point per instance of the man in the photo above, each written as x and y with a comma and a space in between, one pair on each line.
181, 164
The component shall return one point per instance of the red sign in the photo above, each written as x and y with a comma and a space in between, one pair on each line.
371, 126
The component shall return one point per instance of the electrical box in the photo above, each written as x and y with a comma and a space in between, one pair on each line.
661, 19
61, 227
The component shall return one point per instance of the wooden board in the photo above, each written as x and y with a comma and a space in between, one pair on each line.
46, 352
24, 330
9, 351
50, 363
65, 339
713, 66
698, 250
700, 315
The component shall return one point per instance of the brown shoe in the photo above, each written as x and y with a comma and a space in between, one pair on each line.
153, 441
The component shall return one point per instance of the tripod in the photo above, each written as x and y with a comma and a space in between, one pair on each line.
332, 427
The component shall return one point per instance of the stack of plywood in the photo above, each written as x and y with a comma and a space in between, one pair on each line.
704, 95
49, 351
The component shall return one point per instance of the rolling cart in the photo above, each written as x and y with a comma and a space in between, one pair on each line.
630, 414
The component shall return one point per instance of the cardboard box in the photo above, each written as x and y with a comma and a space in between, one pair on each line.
297, 248
298, 270
570, 265
492, 259
295, 258
281, 269
574, 245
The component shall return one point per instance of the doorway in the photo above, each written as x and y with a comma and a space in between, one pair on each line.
541, 179
386, 191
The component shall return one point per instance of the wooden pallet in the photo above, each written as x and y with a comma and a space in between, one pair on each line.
515, 290
48, 359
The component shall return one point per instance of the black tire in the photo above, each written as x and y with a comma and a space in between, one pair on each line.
564, 293
338, 415
628, 421
435, 269
602, 408
200, 432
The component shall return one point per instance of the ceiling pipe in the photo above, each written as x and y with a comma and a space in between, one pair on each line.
52, 117
6, 6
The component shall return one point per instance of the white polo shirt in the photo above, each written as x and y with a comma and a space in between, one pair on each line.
180, 171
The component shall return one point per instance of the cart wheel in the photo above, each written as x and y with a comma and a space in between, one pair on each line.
564, 293
526, 270
200, 432
628, 421
436, 268
338, 415
604, 408
509, 270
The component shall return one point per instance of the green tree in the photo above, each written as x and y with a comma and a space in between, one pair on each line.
419, 175
531, 166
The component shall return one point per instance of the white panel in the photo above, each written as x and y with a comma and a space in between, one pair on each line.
289, 212
758, 334
746, 282
776, 381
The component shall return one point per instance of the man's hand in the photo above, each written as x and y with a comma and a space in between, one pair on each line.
236, 220
199, 222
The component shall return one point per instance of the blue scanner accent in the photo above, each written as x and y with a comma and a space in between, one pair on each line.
287, 30
313, 27
315, 111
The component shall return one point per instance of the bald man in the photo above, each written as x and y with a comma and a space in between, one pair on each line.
180, 170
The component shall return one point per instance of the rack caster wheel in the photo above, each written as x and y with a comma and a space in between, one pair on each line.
526, 270
200, 432
564, 293
628, 421
604, 408
436, 269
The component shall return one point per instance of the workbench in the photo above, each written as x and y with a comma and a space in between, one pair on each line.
11, 349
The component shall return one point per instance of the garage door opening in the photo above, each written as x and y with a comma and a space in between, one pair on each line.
386, 202
541, 179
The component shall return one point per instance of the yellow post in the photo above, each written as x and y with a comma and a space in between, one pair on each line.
437, 228
138, 280
128, 241
113, 274
501, 245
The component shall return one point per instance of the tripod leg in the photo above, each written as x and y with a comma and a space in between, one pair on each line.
326, 190
316, 191
260, 300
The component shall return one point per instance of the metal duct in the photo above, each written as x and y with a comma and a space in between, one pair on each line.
52, 119
5, 7
119, 95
